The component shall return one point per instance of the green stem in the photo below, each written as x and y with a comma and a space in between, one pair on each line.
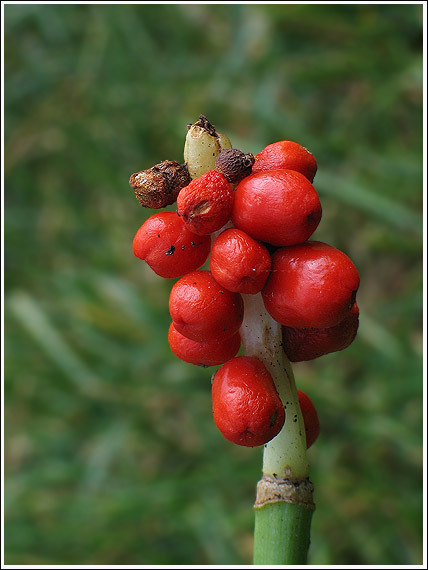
281, 533
284, 505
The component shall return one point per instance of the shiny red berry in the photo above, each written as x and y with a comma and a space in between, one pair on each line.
286, 154
311, 285
168, 247
280, 207
246, 406
239, 262
310, 418
204, 311
203, 353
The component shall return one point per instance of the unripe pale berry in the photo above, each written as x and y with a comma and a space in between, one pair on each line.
202, 146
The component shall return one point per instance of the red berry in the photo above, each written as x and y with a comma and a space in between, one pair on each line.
203, 353
310, 343
311, 285
289, 155
239, 263
168, 247
206, 203
246, 406
204, 311
280, 207
310, 418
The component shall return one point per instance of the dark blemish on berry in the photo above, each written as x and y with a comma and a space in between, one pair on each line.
170, 251
312, 217
273, 419
352, 300
158, 235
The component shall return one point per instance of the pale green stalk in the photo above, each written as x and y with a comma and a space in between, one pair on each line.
284, 506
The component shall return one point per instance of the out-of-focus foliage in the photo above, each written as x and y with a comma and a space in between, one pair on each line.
111, 453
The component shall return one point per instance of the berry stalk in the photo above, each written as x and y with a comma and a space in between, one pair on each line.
284, 504
285, 454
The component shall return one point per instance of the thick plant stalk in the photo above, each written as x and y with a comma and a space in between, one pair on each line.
284, 503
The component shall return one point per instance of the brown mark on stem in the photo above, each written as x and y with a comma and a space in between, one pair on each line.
288, 489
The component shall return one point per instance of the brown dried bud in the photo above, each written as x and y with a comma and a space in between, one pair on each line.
234, 164
159, 185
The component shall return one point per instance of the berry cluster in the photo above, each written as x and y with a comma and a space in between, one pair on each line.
252, 217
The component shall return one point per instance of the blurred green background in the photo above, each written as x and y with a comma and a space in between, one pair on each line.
111, 453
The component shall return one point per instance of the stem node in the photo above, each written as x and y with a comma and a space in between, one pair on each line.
288, 490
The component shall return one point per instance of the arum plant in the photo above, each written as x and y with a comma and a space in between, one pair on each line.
269, 288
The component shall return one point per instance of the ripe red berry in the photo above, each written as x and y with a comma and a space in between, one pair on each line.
238, 262
280, 207
310, 418
289, 155
168, 247
310, 343
246, 406
206, 203
203, 353
204, 311
311, 285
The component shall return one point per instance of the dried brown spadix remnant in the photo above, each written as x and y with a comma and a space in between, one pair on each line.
234, 164
158, 186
